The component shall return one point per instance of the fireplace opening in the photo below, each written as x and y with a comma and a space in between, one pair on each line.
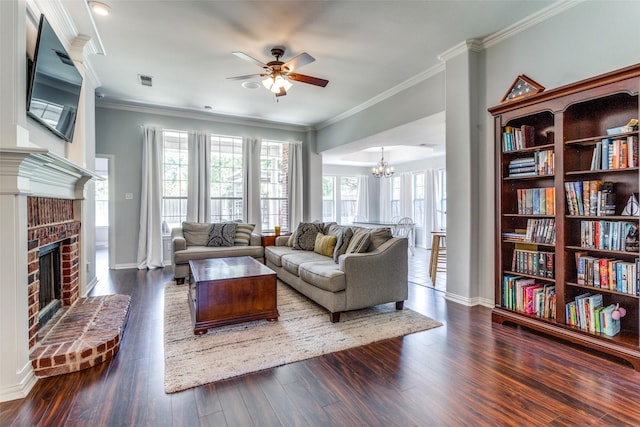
50, 282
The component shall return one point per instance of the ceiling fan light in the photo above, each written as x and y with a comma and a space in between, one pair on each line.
287, 84
268, 83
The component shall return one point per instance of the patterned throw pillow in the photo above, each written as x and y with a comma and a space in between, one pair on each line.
196, 233
325, 244
306, 235
343, 237
359, 242
243, 234
222, 234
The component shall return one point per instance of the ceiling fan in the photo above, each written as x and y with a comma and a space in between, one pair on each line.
278, 75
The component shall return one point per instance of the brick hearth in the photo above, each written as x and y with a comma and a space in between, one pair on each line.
82, 336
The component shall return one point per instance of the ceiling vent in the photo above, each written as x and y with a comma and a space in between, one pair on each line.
145, 80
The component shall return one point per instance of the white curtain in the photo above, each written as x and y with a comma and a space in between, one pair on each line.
150, 235
295, 184
406, 195
362, 201
385, 199
198, 190
251, 181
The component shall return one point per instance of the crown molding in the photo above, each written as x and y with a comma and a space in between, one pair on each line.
57, 16
530, 21
410, 82
166, 110
471, 45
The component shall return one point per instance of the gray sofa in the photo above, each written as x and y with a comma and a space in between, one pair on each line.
378, 275
194, 246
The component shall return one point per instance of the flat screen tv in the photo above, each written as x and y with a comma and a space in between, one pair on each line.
54, 84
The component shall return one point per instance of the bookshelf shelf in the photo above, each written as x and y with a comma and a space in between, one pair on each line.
602, 251
528, 150
601, 171
590, 141
593, 288
575, 127
531, 276
525, 242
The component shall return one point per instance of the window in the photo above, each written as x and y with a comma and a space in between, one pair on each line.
348, 198
396, 182
441, 201
274, 166
418, 199
226, 178
328, 198
174, 177
339, 198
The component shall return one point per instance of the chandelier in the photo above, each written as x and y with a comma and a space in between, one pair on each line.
382, 169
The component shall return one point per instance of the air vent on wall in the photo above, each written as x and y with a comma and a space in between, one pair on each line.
145, 80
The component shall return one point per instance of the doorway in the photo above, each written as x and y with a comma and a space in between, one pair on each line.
103, 217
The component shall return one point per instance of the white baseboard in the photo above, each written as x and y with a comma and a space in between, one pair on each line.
125, 266
90, 286
470, 302
20, 390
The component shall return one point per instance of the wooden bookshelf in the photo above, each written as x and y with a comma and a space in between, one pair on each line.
570, 121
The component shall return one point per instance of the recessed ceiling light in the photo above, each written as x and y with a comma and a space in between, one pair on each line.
250, 85
99, 8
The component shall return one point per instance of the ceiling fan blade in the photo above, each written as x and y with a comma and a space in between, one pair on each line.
248, 58
248, 76
299, 61
308, 79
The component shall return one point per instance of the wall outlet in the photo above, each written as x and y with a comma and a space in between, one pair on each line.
128, 196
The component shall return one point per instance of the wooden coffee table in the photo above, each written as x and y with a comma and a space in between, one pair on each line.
225, 291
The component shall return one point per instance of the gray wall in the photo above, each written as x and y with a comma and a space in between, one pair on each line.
119, 133
421, 100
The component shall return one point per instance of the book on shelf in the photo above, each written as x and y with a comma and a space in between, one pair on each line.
525, 295
518, 138
541, 163
589, 313
536, 201
618, 153
541, 230
533, 262
609, 235
608, 273
590, 198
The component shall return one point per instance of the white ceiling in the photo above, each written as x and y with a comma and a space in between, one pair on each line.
363, 48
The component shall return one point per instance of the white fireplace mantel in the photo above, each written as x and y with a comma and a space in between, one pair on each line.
40, 172
25, 172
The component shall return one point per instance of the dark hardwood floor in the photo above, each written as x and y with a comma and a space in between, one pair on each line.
468, 372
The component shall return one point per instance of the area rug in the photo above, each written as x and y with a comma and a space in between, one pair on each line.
302, 331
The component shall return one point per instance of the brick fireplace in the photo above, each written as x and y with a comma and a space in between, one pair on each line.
51, 220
